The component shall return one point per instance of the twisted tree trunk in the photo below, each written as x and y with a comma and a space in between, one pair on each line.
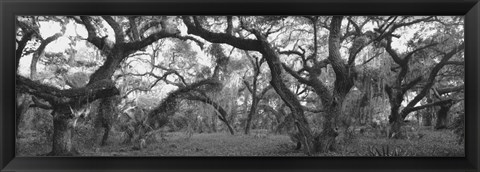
427, 116
253, 110
64, 102
63, 144
263, 47
395, 97
442, 114
105, 117
290, 99
22, 107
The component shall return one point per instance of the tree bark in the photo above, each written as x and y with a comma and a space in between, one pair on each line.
442, 114
22, 107
63, 144
344, 77
28, 33
396, 123
105, 111
427, 117
253, 110
287, 96
62, 102
395, 119
105, 117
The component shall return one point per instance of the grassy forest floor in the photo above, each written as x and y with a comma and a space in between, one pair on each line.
434, 143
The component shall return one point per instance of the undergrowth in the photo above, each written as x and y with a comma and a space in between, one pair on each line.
434, 143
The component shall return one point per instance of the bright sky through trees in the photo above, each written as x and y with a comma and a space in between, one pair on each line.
49, 28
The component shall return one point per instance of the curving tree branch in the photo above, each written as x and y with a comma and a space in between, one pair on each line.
92, 34
451, 89
22, 43
137, 45
195, 28
40, 50
135, 35
437, 103
38, 103
296, 75
222, 113
70, 97
431, 79
119, 34
411, 84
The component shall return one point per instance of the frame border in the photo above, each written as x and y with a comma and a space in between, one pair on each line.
10, 8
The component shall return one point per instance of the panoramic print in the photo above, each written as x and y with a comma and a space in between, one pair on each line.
328, 86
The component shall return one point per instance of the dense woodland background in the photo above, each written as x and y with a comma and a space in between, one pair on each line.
240, 86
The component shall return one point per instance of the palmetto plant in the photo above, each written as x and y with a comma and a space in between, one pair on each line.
386, 150
81, 113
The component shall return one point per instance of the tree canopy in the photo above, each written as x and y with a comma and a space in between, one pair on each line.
317, 76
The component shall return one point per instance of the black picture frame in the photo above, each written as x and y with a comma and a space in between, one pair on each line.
10, 8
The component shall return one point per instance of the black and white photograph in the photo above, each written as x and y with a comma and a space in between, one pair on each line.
275, 86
